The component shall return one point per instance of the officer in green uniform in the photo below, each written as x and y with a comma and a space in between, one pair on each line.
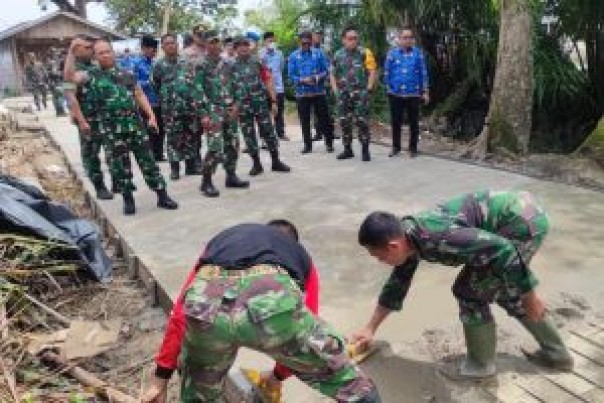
353, 76
118, 98
55, 80
172, 77
494, 235
251, 91
35, 80
84, 114
213, 80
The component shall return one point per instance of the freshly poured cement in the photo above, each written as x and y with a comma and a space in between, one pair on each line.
327, 199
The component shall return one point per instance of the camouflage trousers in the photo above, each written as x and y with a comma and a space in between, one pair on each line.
222, 141
39, 93
353, 108
260, 115
57, 100
519, 240
261, 308
182, 136
119, 145
90, 148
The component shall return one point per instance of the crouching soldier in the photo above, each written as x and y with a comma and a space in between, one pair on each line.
493, 235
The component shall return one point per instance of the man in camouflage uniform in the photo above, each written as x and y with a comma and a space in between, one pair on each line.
173, 78
247, 293
118, 99
36, 78
250, 90
353, 76
84, 114
213, 81
55, 80
493, 235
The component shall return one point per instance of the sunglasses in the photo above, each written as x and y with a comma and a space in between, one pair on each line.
352, 38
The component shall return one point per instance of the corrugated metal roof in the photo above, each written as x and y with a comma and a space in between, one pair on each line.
24, 26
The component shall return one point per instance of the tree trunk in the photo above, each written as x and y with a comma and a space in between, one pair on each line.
509, 118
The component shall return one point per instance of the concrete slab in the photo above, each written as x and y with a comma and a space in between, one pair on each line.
327, 199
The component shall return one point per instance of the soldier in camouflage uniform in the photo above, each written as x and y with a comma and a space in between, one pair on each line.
247, 293
353, 76
118, 98
84, 114
55, 80
172, 78
251, 92
214, 83
494, 235
36, 78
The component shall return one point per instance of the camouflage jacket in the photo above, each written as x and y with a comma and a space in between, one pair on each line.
173, 81
35, 76
84, 92
213, 81
247, 80
112, 93
438, 236
349, 69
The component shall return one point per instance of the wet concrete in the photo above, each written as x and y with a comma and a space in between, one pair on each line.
327, 199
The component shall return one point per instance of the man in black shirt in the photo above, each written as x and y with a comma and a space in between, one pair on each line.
247, 293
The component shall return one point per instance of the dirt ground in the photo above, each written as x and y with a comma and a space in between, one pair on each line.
30, 156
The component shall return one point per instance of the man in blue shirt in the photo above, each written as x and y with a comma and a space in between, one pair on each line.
126, 60
273, 58
307, 69
406, 79
142, 67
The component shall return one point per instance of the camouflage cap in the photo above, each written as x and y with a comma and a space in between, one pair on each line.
199, 29
241, 40
211, 35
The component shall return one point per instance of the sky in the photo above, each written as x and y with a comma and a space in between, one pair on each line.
28, 10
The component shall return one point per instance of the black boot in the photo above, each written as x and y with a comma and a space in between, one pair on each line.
164, 201
278, 166
115, 188
307, 149
365, 152
257, 167
101, 191
192, 167
346, 154
129, 206
207, 187
175, 170
233, 181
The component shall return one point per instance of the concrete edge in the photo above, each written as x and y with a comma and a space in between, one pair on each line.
136, 266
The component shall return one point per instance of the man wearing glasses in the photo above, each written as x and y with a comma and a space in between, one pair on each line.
353, 76
406, 79
307, 69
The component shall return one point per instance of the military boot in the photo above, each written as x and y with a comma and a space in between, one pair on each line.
479, 363
233, 181
278, 165
207, 187
164, 201
346, 154
101, 191
192, 167
365, 151
552, 352
257, 167
175, 170
129, 205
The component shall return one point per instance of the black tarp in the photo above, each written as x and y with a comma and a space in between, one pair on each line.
25, 210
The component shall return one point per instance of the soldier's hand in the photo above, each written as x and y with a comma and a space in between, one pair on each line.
84, 127
157, 392
75, 43
233, 112
533, 306
362, 339
274, 109
153, 123
426, 98
205, 122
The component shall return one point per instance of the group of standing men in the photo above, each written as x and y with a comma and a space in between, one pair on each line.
190, 95
42, 77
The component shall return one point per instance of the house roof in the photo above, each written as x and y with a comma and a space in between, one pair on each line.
24, 26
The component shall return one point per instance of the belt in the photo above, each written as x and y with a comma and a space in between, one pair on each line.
210, 272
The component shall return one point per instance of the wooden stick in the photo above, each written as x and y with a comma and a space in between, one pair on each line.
52, 312
90, 380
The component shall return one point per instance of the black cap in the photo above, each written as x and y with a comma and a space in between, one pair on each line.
211, 35
241, 40
148, 41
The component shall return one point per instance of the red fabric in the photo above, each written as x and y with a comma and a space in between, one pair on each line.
167, 357
265, 74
